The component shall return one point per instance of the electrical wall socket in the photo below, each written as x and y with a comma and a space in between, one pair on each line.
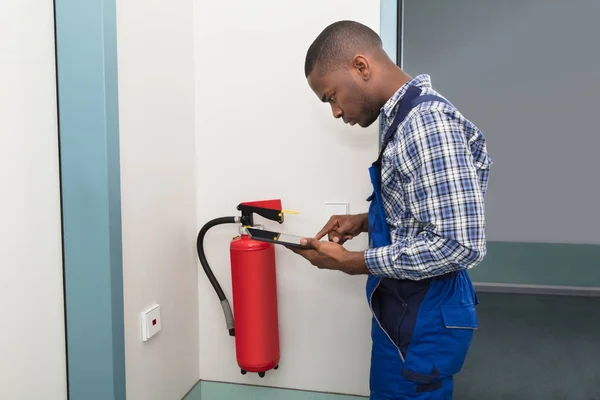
151, 322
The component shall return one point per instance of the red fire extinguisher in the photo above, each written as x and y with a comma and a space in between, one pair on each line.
254, 288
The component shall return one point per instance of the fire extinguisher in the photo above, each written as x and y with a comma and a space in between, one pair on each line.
254, 288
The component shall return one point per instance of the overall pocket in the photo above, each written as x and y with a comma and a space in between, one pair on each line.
459, 323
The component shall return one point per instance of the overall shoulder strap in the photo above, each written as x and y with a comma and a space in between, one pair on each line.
430, 97
412, 98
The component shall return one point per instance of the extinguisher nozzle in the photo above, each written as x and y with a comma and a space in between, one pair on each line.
232, 332
228, 315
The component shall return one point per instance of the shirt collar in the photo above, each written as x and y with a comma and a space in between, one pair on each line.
421, 81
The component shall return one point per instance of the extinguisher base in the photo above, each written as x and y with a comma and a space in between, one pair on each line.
260, 374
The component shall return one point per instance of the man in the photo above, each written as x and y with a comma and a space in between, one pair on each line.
426, 214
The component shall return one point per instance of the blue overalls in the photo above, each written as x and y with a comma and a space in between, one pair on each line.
421, 330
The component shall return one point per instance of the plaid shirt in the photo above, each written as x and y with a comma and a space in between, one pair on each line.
434, 175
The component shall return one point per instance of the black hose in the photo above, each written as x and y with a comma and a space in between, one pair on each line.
211, 277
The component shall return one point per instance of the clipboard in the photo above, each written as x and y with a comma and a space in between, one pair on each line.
275, 237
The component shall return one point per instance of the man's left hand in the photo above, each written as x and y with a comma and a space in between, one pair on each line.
331, 255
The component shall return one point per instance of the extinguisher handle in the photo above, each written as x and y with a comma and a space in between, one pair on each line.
228, 316
268, 213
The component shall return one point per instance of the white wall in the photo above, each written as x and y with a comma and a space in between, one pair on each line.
156, 90
32, 349
257, 124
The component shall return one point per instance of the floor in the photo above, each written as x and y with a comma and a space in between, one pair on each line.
207, 390
528, 347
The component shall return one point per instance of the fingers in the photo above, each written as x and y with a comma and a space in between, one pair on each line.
344, 228
332, 237
309, 254
332, 230
310, 243
329, 226
335, 237
340, 235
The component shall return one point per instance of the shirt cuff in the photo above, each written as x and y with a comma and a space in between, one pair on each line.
379, 262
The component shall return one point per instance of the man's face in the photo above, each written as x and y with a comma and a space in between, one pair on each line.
346, 90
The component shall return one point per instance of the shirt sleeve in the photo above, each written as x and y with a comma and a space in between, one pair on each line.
444, 197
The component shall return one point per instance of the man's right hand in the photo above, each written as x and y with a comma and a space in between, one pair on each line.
341, 228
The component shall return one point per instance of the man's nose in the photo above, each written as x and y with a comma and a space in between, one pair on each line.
337, 112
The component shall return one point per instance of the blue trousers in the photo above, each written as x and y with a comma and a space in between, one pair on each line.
421, 333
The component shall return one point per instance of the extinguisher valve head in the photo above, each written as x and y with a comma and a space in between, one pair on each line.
270, 209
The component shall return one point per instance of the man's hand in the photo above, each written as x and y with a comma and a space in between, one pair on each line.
333, 256
341, 228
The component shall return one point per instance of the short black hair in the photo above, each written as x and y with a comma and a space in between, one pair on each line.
335, 42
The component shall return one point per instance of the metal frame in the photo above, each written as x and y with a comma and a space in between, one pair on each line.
400, 34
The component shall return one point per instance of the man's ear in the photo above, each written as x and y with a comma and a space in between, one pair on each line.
361, 66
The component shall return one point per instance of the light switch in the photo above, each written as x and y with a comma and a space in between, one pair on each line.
151, 323
336, 209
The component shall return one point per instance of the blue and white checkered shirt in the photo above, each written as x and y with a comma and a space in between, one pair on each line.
434, 175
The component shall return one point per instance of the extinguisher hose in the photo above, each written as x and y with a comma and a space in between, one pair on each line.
211, 277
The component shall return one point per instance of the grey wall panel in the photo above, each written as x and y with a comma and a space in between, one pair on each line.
528, 74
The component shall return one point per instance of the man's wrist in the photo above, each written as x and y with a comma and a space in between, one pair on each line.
355, 263
365, 224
